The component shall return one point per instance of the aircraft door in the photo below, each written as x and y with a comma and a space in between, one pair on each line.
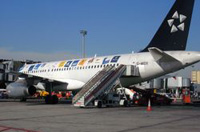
132, 69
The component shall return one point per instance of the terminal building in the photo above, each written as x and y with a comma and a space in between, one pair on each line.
167, 84
195, 77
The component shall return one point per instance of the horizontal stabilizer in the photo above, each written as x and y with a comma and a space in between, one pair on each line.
160, 55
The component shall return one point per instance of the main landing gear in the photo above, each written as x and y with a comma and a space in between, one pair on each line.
50, 99
23, 99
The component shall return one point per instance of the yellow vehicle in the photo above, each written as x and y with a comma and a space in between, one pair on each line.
44, 93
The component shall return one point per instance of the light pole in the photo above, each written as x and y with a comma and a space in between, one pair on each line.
84, 33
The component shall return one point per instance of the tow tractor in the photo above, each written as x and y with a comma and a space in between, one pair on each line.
119, 97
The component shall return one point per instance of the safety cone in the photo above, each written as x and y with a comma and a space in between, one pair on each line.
149, 106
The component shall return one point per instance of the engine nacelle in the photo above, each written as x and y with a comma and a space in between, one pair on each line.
19, 89
31, 90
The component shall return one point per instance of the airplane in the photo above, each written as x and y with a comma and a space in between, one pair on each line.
163, 55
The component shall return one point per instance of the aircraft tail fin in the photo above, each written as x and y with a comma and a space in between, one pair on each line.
173, 32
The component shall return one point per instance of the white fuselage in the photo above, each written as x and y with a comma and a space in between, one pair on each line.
77, 72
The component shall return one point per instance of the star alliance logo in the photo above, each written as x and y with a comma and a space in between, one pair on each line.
181, 26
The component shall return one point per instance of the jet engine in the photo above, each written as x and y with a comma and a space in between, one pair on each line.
19, 89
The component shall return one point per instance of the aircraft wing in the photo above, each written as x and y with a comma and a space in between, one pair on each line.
35, 79
70, 84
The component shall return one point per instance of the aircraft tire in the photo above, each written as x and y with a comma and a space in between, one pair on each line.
48, 99
54, 99
99, 105
125, 103
23, 99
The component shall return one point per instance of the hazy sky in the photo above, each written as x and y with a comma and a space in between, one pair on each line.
50, 29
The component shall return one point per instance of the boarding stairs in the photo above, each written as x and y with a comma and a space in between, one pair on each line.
99, 85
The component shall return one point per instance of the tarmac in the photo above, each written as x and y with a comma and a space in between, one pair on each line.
36, 116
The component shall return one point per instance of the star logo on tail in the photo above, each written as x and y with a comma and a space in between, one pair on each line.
181, 18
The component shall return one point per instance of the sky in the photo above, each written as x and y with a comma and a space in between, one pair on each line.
47, 30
